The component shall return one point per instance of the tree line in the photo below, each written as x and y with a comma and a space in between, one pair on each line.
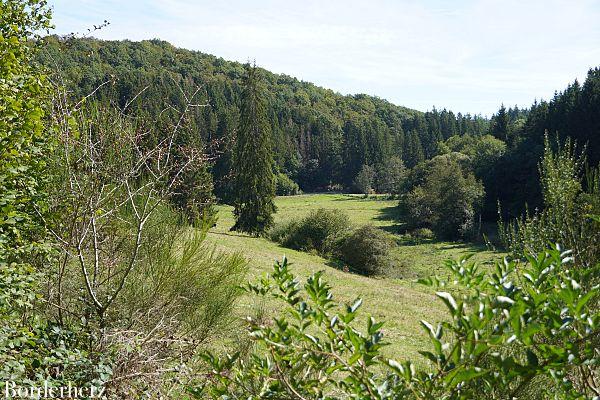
320, 138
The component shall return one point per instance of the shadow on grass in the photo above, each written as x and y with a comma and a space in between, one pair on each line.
438, 245
474, 247
362, 197
391, 213
349, 197
334, 263
344, 267
232, 234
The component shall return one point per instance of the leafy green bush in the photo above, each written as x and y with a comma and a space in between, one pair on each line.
494, 344
445, 198
366, 250
282, 231
313, 232
570, 197
285, 186
181, 278
32, 349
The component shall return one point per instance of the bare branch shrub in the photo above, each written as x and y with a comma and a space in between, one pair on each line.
138, 279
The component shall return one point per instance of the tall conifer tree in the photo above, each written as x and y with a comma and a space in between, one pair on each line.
500, 124
413, 151
254, 181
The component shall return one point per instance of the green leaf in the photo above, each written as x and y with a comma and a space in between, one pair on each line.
356, 305
532, 358
584, 300
355, 357
448, 300
430, 356
428, 328
466, 375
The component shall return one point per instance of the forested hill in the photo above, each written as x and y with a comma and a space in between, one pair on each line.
321, 138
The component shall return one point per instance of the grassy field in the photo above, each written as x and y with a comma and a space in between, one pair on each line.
396, 299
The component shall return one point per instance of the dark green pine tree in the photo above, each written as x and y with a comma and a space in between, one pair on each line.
413, 150
500, 124
253, 178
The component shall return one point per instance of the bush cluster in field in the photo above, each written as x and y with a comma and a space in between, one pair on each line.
365, 249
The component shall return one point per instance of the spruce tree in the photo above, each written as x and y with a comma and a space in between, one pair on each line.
500, 124
413, 151
253, 178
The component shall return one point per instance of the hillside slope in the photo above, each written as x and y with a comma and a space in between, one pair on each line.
320, 138
401, 302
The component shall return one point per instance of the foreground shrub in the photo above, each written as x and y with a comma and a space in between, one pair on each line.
285, 186
570, 197
312, 232
130, 273
33, 350
494, 344
183, 278
366, 250
179, 296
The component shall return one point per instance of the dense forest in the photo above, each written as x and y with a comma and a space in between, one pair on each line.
142, 186
322, 139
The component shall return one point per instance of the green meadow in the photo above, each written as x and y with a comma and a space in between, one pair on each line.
396, 298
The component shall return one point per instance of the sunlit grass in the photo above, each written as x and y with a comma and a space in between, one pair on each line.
396, 299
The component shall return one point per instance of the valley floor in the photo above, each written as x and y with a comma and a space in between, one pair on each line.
397, 299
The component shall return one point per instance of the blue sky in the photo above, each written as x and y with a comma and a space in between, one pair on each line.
467, 56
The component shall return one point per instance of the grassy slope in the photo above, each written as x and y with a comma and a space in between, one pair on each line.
399, 301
